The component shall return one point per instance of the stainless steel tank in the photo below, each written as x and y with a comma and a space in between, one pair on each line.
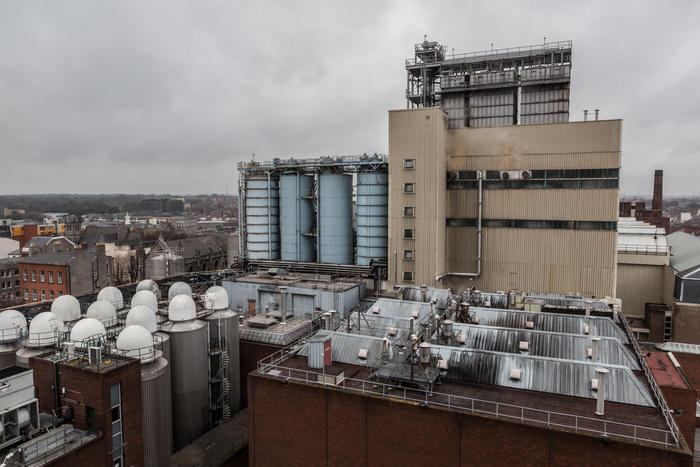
296, 217
372, 216
335, 235
157, 413
262, 218
223, 334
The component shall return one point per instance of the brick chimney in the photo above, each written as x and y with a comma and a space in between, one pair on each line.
658, 200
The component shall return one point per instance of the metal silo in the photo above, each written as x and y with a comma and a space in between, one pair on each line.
224, 352
13, 326
334, 236
157, 413
189, 371
296, 217
262, 218
372, 216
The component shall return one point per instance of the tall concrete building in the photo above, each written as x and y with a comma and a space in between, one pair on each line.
530, 206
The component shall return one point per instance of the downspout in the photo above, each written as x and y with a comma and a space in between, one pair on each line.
480, 176
269, 218
241, 189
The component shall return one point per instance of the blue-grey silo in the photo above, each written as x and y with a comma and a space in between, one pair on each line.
262, 218
296, 217
372, 216
334, 226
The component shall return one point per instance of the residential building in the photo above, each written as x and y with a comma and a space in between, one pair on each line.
10, 282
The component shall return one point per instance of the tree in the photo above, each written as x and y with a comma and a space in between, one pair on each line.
122, 269
7, 300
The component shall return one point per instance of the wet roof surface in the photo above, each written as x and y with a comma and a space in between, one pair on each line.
664, 370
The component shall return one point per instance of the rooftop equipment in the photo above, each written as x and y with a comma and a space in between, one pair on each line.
112, 295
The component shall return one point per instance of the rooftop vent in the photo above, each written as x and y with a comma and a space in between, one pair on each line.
415, 314
515, 374
462, 339
475, 320
530, 325
375, 310
585, 329
524, 345
392, 331
362, 354
442, 364
594, 384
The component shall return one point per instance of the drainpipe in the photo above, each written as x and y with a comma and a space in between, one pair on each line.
283, 304
480, 176
269, 218
395, 269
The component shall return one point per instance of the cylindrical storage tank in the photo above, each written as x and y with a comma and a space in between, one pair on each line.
112, 295
143, 316
145, 298
148, 285
223, 333
176, 264
296, 217
334, 226
424, 352
262, 218
189, 370
155, 266
103, 311
166, 344
179, 288
372, 216
24, 354
13, 326
86, 330
45, 330
67, 307
157, 413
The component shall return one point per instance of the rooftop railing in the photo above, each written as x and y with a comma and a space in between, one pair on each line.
502, 53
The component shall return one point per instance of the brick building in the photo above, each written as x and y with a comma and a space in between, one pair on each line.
45, 276
10, 282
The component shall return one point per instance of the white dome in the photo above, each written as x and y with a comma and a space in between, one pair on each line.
86, 327
137, 342
67, 308
143, 316
103, 311
12, 322
150, 285
216, 298
179, 288
145, 297
113, 295
182, 308
44, 329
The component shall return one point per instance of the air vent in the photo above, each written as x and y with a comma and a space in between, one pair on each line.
475, 320
585, 329
515, 374
375, 310
529, 325
524, 345
442, 364
415, 314
362, 354
594, 384
392, 331
95, 355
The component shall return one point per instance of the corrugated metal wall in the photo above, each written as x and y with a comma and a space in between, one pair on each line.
669, 284
638, 284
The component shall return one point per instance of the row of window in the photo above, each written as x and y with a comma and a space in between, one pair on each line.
533, 184
547, 174
8, 285
42, 294
533, 224
9, 273
59, 276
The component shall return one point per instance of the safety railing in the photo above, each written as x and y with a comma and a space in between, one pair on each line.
578, 423
645, 249
505, 53
652, 382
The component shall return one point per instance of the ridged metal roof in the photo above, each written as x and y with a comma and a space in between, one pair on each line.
679, 347
345, 348
544, 344
555, 376
400, 309
413, 294
552, 322
563, 301
380, 326
267, 336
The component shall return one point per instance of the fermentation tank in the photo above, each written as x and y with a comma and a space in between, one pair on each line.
189, 370
296, 217
112, 295
372, 216
145, 298
148, 284
45, 334
67, 307
13, 327
179, 288
334, 233
262, 218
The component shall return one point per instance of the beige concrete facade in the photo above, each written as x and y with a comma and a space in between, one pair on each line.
554, 260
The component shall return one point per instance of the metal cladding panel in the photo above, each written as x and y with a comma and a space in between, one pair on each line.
262, 218
413, 294
401, 309
551, 204
542, 374
372, 216
224, 324
550, 322
316, 351
157, 413
380, 326
345, 348
637, 285
166, 345
8, 355
335, 234
545, 344
190, 378
296, 217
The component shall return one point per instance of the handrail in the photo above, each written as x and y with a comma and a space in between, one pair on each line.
524, 414
652, 381
547, 47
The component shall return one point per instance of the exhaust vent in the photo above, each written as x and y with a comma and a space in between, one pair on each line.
515, 374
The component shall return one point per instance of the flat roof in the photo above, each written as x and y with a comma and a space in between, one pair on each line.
664, 371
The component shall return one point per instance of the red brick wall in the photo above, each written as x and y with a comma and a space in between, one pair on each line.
38, 285
251, 354
86, 388
683, 399
301, 424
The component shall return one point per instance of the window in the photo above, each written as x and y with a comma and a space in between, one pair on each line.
408, 254
24, 275
409, 163
41, 276
408, 233
26, 294
408, 188
408, 276
43, 294
50, 277
33, 275
117, 438
34, 294
408, 211
108, 267
51, 296
60, 292
60, 277
17, 283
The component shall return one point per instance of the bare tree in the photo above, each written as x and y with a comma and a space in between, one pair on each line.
8, 300
122, 270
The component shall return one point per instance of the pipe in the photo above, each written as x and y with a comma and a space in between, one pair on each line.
395, 268
423, 290
297, 233
585, 115
596, 114
269, 218
283, 304
594, 350
480, 176
241, 189
599, 410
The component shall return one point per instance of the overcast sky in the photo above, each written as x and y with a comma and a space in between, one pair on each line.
166, 97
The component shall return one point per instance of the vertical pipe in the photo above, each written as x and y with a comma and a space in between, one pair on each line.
594, 351
269, 218
283, 304
585, 115
596, 114
241, 229
298, 226
395, 269
601, 390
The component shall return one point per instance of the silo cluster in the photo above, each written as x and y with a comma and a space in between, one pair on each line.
294, 211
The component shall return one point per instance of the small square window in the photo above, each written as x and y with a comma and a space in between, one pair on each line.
408, 254
409, 163
51, 294
50, 277
24, 275
408, 188
408, 276
408, 211
43, 294
34, 294
33, 275
408, 233
41, 276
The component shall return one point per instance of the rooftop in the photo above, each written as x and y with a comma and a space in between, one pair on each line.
686, 252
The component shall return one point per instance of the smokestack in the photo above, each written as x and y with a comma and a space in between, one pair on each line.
585, 115
594, 353
596, 114
658, 200
423, 290
283, 304
599, 410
